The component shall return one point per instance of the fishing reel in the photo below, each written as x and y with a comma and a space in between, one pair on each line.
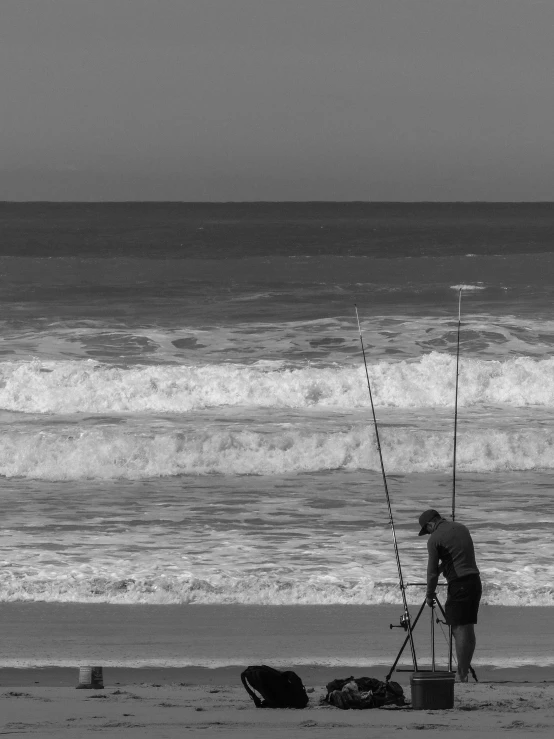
404, 623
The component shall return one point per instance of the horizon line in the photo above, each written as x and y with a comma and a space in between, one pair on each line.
278, 202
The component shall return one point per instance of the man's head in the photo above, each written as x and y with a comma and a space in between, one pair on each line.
428, 521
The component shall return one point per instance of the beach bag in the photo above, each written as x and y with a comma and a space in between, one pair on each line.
363, 692
277, 689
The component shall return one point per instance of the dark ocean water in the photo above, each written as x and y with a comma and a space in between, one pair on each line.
184, 414
235, 230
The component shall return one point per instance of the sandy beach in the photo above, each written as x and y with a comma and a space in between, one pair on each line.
179, 693
147, 705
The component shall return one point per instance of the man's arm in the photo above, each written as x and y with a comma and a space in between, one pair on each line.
433, 571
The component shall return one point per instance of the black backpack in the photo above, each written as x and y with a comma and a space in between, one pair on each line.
278, 689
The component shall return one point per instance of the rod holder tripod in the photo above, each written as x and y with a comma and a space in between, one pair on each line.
410, 627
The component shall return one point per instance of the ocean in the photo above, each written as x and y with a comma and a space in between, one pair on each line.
185, 418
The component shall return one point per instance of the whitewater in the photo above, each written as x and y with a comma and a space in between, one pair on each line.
91, 387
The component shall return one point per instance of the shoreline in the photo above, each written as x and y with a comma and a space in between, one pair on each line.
311, 675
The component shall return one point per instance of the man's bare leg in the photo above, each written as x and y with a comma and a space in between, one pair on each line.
464, 638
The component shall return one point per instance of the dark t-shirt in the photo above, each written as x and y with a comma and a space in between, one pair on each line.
451, 545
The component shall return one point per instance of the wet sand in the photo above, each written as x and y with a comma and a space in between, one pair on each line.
69, 634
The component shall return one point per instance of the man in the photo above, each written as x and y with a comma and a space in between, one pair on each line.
450, 549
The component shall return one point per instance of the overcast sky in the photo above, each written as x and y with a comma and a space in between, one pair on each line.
276, 99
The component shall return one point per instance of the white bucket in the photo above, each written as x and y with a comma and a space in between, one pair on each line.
90, 677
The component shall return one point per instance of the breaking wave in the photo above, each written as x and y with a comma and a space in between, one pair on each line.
111, 453
247, 590
86, 386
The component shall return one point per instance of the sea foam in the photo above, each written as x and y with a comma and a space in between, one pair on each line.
247, 590
86, 386
110, 453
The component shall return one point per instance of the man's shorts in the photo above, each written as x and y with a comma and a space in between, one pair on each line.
462, 603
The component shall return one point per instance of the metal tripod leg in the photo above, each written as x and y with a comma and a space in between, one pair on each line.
441, 609
406, 640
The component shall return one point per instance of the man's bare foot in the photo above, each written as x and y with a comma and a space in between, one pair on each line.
461, 678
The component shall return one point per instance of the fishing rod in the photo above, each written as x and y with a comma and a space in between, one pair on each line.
450, 635
456, 408
450, 650
405, 620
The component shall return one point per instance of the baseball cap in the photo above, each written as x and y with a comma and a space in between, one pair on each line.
424, 519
